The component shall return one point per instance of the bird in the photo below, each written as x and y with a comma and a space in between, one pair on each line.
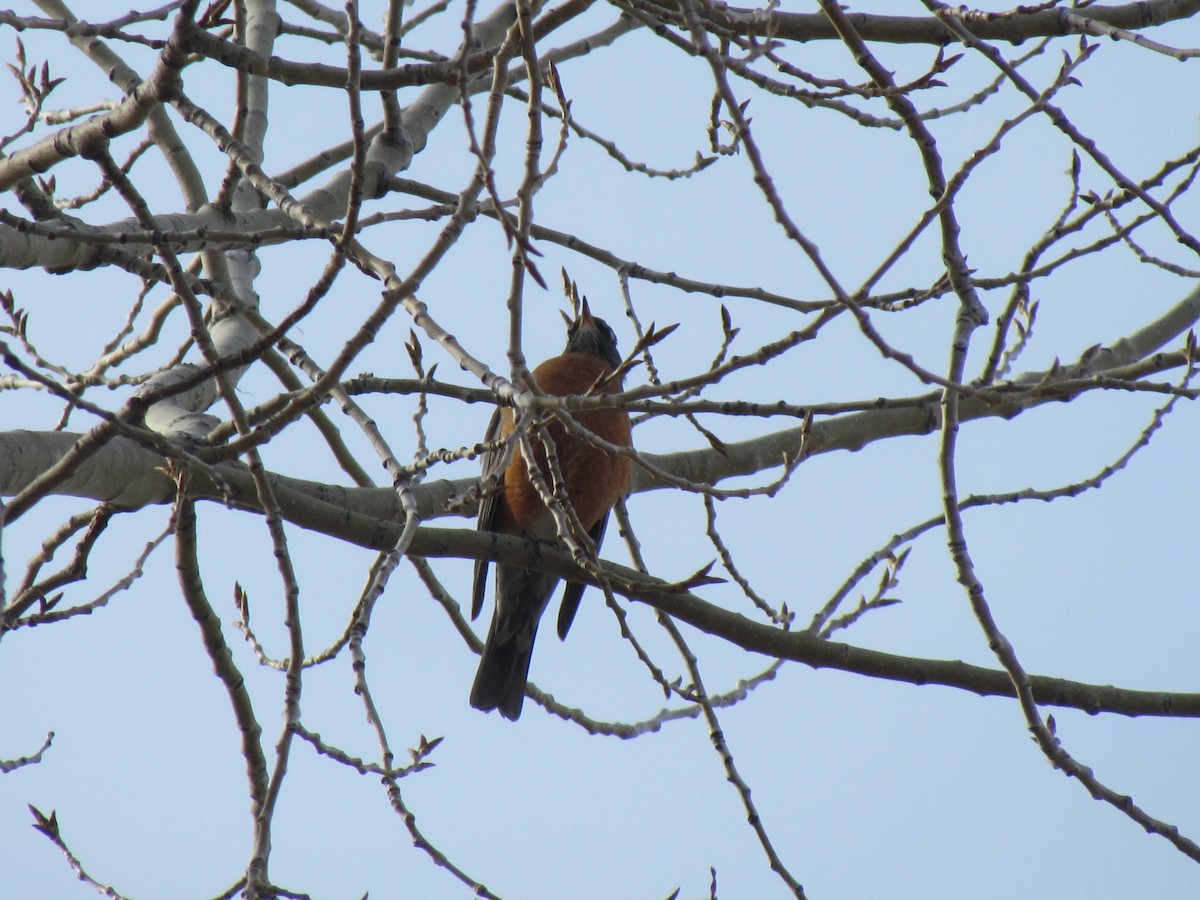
594, 479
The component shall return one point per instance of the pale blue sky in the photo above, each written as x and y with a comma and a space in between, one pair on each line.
869, 789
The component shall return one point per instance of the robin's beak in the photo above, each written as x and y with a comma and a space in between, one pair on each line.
585, 319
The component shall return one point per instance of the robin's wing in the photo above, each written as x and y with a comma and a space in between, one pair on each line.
573, 592
491, 481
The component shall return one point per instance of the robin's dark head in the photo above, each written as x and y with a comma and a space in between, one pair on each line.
589, 334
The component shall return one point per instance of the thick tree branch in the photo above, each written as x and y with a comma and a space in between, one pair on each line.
1012, 27
805, 647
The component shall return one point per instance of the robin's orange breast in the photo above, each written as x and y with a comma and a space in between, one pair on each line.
594, 478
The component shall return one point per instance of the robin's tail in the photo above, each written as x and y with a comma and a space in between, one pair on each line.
521, 597
500, 681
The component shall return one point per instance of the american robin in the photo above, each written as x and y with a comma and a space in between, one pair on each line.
594, 480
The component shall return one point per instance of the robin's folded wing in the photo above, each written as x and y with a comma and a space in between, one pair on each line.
573, 592
491, 481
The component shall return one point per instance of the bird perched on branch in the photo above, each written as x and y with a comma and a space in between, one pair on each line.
594, 480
